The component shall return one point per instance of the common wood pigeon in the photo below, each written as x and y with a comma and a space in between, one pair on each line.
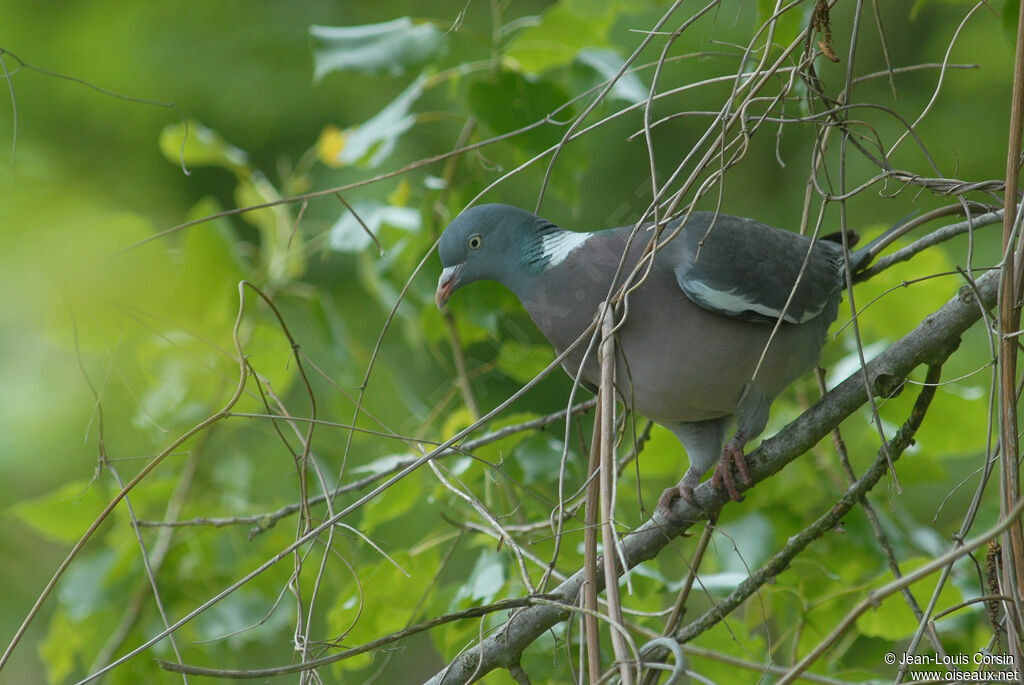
695, 328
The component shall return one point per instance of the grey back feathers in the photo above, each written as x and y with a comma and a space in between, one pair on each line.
745, 269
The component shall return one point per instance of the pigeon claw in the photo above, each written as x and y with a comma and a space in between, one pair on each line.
665, 501
732, 456
682, 490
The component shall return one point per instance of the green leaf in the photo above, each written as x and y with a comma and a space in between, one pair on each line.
888, 309
951, 429
64, 514
893, 620
509, 101
485, 581
788, 25
564, 29
500, 449
663, 458
63, 644
281, 258
243, 618
396, 502
1011, 14
538, 457
607, 63
203, 147
752, 539
206, 147
457, 420
209, 270
348, 234
522, 361
350, 615
163, 399
270, 353
92, 290
367, 145
384, 464
391, 47
85, 588
919, 5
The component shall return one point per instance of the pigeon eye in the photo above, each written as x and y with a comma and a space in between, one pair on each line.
475, 241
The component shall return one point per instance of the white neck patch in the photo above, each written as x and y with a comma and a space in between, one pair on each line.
558, 245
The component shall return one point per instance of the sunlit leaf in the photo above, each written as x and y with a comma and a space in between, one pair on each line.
893, 620
538, 456
405, 592
399, 197
330, 144
456, 421
565, 28
64, 644
751, 543
349, 235
383, 464
889, 307
203, 147
952, 426
242, 618
485, 580
267, 349
370, 143
97, 293
64, 514
523, 361
393, 504
390, 47
171, 397
787, 25
210, 268
498, 450
282, 260
607, 63
842, 369
84, 588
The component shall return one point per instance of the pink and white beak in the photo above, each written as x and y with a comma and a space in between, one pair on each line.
446, 284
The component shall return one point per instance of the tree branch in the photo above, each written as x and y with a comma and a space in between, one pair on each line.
856, 493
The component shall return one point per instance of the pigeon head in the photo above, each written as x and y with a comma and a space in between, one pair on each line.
485, 242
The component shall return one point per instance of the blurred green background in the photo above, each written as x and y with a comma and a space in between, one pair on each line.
86, 173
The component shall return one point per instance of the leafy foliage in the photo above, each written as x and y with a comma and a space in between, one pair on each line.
350, 374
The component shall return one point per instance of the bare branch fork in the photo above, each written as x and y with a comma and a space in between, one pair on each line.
930, 342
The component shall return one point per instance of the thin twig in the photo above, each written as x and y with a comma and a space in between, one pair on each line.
876, 596
472, 612
1009, 322
143, 473
609, 539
